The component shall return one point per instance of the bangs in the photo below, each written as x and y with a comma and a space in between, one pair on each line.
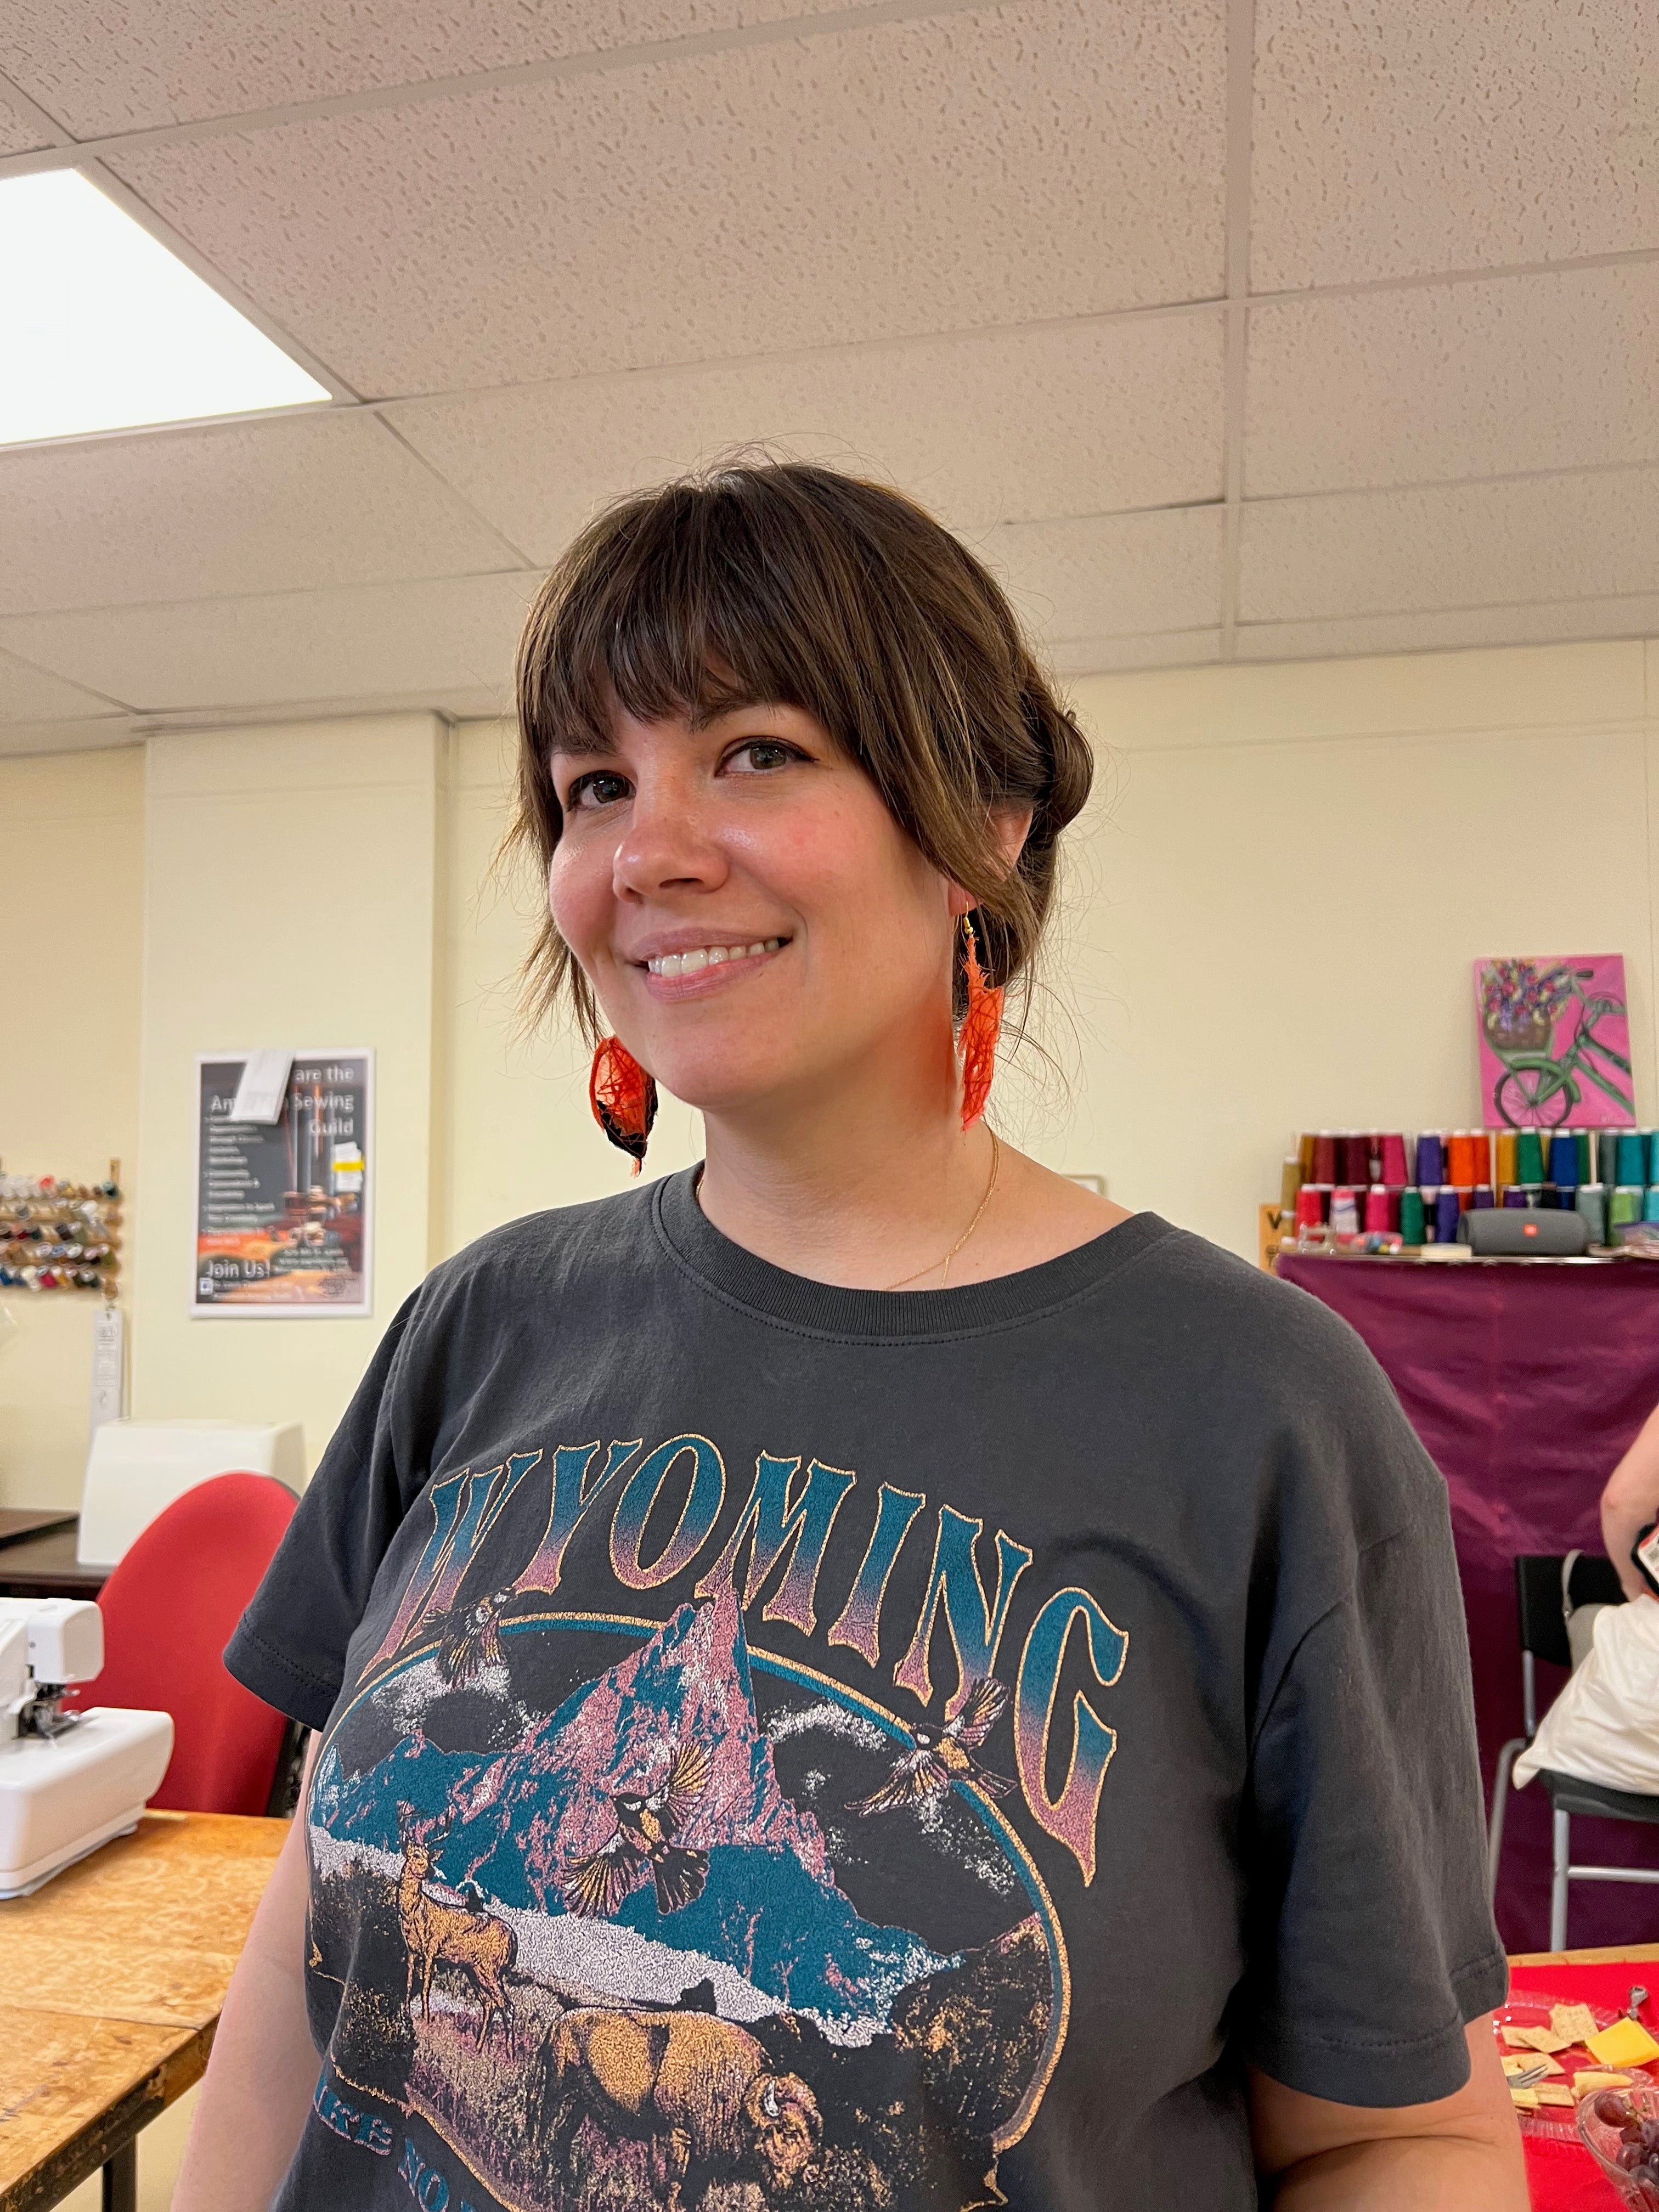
686, 611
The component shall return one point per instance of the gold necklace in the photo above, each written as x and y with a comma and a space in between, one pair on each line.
945, 1264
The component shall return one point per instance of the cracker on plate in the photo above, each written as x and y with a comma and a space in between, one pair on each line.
1573, 2021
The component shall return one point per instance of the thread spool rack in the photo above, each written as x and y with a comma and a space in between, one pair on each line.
57, 1234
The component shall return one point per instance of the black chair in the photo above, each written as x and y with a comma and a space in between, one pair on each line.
1547, 1590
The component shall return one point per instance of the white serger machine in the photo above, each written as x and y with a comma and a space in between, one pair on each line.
69, 1781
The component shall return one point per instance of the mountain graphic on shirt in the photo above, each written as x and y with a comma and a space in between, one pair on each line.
770, 1910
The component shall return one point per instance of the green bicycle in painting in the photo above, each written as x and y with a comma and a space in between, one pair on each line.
1520, 1005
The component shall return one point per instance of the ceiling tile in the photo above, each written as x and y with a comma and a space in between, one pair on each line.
995, 427
1457, 545
1044, 159
1430, 631
1394, 137
1115, 575
18, 133
152, 62
380, 641
1175, 649
32, 694
320, 499
1444, 381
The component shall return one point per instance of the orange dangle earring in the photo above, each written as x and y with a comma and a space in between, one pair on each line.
981, 1026
624, 1098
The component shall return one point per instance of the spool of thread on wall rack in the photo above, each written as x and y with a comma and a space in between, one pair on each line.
1447, 1212
1528, 1157
1623, 1206
1411, 1215
1430, 1161
1591, 1200
1633, 1153
1312, 1206
1325, 1162
1395, 1173
1563, 1161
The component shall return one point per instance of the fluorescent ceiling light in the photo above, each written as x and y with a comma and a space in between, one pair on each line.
103, 328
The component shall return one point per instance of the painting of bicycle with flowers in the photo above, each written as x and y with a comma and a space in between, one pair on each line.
1554, 1043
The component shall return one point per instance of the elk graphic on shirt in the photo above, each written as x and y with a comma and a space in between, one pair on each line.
748, 1939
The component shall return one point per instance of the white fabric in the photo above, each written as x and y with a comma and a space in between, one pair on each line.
1604, 1726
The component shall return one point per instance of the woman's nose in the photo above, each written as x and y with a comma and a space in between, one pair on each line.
669, 843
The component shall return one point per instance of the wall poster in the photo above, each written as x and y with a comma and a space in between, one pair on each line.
1555, 1042
283, 1208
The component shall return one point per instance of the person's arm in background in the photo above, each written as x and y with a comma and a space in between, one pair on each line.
1630, 1501
263, 2066
1461, 2154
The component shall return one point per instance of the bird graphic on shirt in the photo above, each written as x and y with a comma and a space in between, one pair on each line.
646, 1824
938, 1756
471, 1641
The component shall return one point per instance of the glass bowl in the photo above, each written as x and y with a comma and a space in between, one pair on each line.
1625, 2144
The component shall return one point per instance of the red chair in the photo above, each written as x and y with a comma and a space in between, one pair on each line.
169, 1608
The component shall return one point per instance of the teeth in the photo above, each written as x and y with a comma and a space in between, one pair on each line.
709, 955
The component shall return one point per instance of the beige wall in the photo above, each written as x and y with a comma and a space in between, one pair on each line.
292, 882
1270, 913
71, 916
1301, 864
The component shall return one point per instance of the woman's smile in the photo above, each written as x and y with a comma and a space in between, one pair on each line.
700, 969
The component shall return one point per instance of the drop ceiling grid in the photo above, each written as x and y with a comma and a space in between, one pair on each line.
1044, 361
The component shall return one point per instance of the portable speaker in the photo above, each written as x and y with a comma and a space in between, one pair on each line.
1525, 1232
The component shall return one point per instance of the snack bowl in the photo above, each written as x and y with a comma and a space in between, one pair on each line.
1620, 2128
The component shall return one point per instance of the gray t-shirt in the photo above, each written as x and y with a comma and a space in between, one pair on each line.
797, 1749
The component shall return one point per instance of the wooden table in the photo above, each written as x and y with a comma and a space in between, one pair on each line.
112, 1979
1618, 1954
45, 1566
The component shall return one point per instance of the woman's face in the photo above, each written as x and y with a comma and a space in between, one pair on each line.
684, 849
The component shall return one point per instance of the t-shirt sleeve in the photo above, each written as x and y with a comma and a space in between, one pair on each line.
289, 1646
1370, 1941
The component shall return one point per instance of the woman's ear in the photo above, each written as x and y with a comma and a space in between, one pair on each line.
1012, 826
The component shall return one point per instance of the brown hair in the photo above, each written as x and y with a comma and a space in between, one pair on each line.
782, 582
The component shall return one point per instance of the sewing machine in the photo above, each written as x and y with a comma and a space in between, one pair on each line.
69, 1781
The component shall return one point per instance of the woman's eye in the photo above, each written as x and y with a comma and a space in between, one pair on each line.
597, 788
763, 753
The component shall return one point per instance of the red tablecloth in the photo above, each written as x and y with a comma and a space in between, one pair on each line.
1526, 1382
1563, 2177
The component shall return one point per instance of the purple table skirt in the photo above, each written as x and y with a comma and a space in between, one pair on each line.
1527, 1382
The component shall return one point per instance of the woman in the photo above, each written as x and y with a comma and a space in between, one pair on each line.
860, 1676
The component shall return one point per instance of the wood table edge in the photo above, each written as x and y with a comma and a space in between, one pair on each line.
110, 2131
1636, 1954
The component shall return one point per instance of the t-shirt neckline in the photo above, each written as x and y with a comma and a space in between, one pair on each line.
774, 1294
